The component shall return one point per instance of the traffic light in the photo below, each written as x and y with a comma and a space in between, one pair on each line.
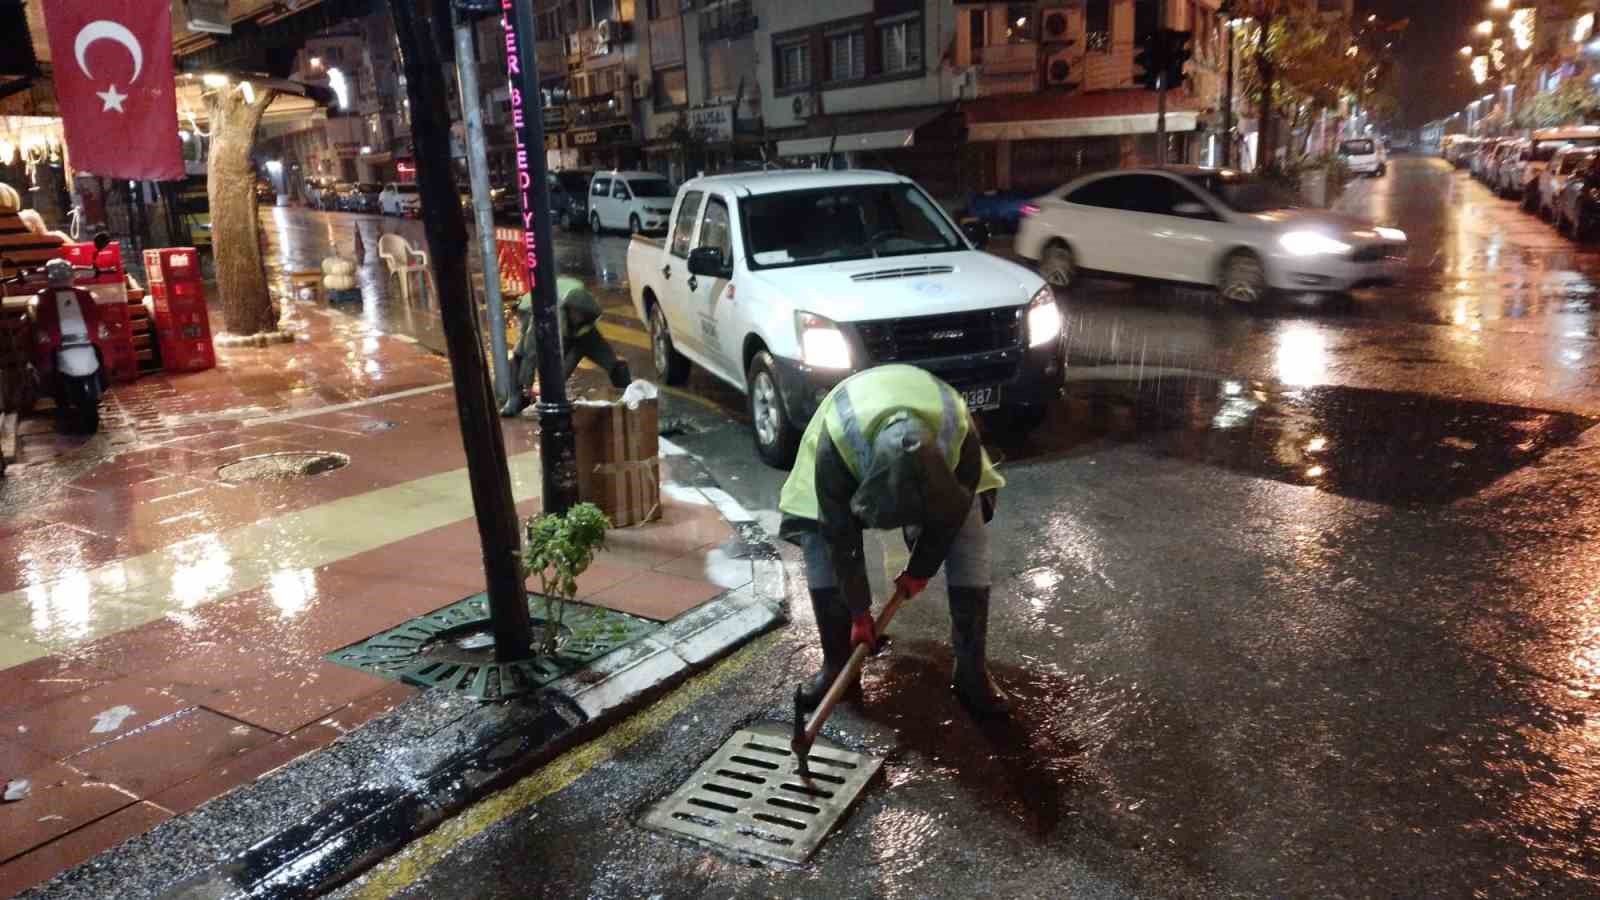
1175, 52
1149, 59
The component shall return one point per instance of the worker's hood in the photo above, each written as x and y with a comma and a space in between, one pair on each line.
906, 482
894, 287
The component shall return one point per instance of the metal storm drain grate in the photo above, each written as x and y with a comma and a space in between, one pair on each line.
281, 466
452, 648
748, 798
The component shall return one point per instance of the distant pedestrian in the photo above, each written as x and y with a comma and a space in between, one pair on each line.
579, 317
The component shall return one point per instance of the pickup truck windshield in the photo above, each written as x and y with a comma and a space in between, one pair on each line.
833, 224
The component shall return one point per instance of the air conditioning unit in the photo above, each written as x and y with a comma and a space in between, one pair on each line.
1054, 27
804, 106
641, 89
1058, 69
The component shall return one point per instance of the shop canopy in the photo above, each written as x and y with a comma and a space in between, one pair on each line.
1097, 114
877, 130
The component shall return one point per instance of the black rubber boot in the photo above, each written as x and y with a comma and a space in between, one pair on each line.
833, 628
969, 638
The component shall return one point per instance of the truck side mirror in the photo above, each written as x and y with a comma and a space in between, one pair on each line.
977, 232
708, 261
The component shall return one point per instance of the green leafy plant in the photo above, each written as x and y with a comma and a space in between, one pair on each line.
558, 550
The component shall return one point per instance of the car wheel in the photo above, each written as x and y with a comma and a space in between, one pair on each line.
564, 219
672, 366
594, 222
1057, 265
776, 437
633, 225
1244, 278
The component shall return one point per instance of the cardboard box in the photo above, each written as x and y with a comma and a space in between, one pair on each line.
618, 459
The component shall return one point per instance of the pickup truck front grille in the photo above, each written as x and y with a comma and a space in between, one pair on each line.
930, 337
976, 376
1377, 253
902, 272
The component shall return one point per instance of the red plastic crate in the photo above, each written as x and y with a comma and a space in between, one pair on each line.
171, 265
185, 339
109, 260
116, 338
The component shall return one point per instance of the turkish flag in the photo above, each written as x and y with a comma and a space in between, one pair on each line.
113, 74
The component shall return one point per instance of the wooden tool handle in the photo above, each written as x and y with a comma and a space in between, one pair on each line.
852, 670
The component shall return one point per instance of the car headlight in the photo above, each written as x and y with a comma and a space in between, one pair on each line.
1390, 234
822, 344
1044, 317
1311, 243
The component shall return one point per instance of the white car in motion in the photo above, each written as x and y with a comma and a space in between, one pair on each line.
1245, 236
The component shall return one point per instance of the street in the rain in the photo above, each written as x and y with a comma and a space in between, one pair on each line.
1297, 602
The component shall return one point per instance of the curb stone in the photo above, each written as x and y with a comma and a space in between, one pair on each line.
326, 817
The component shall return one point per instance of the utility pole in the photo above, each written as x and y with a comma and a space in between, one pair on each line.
420, 28
1161, 83
557, 443
482, 208
1227, 87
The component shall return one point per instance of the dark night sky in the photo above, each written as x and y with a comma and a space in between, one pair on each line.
1434, 80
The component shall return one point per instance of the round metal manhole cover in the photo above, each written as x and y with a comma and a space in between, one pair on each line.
281, 466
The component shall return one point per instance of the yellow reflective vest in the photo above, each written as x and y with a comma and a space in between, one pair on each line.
857, 407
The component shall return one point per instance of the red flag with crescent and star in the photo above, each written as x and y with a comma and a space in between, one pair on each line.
114, 84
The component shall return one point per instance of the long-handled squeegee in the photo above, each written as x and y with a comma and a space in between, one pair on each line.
805, 732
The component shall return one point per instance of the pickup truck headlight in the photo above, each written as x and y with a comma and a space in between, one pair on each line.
1311, 243
1044, 317
822, 344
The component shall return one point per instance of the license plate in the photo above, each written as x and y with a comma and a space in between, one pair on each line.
981, 398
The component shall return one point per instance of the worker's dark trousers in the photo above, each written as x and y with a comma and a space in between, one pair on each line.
591, 345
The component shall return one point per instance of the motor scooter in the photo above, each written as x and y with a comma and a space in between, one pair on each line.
67, 334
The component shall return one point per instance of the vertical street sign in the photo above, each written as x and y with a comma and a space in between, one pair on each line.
557, 444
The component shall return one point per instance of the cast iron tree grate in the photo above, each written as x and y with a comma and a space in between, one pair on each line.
447, 648
750, 799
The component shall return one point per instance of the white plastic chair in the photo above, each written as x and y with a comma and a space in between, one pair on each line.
403, 260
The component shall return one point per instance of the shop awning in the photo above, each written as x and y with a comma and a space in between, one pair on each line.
1101, 113
847, 132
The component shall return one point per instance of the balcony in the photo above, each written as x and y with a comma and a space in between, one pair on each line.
598, 110
666, 42
1008, 69
733, 19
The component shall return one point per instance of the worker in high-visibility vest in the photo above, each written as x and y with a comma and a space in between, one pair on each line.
580, 339
895, 447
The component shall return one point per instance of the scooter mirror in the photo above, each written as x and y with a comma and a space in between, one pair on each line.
102, 240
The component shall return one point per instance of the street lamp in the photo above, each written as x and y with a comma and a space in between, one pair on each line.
1486, 27
1499, 5
1466, 50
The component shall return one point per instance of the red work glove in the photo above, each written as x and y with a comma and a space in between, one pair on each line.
910, 585
863, 630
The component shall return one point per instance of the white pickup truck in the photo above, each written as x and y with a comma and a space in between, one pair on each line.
783, 283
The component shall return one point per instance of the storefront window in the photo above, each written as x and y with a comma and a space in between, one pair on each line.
671, 88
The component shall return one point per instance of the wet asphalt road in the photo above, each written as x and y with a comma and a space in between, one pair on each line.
1300, 601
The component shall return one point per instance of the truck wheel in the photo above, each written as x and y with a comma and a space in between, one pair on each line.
776, 437
672, 366
594, 222
633, 225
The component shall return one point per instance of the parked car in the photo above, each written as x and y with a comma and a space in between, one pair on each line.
1578, 205
1503, 177
637, 201
1484, 158
264, 191
569, 197
1002, 211
318, 191
1523, 176
362, 198
1563, 164
837, 272
397, 199
1364, 156
1244, 235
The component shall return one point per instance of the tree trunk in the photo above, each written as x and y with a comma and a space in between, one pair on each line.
1266, 75
235, 226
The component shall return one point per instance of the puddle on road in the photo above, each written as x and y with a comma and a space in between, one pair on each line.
1396, 448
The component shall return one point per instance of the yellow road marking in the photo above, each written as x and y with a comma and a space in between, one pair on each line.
629, 336
406, 868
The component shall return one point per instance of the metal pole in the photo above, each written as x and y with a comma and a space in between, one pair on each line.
1162, 59
1227, 101
421, 29
557, 443
482, 208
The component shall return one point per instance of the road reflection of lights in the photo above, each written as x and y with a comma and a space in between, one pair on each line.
1232, 388
1302, 355
1571, 357
202, 574
1235, 411
1317, 445
62, 608
292, 590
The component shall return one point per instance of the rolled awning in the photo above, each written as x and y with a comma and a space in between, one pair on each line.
847, 132
1092, 114
1094, 126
